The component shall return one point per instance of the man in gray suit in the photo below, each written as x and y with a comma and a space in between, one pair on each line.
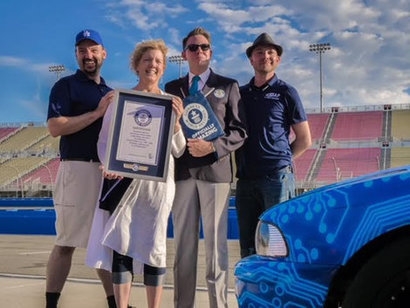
203, 176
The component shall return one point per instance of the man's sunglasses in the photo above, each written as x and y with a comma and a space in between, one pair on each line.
194, 47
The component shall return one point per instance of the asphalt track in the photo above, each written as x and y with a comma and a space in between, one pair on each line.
23, 261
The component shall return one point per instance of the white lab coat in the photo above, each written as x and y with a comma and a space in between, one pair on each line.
138, 226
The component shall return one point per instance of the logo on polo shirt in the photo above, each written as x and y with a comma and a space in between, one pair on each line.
272, 95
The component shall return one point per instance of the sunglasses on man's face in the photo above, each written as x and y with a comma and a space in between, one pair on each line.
194, 47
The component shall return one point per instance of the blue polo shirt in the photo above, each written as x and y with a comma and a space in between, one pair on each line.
270, 112
72, 96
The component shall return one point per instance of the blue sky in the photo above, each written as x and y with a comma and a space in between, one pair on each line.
368, 64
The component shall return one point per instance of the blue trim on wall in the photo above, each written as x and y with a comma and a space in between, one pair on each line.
36, 216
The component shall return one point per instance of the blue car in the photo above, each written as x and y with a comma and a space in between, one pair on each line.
342, 245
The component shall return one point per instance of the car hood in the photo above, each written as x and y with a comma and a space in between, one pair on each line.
329, 224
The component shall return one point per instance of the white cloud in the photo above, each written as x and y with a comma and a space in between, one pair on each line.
12, 61
368, 62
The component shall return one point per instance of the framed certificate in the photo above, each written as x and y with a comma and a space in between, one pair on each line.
140, 135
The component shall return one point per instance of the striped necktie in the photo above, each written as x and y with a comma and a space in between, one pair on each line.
194, 85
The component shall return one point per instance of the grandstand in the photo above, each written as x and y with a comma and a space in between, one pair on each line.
29, 159
347, 142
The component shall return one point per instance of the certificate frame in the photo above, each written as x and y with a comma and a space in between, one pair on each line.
140, 135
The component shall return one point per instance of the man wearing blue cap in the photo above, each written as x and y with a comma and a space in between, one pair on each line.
77, 105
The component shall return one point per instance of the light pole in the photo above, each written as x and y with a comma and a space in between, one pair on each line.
177, 59
337, 170
319, 49
49, 173
57, 69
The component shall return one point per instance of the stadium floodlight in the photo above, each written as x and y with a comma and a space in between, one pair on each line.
319, 49
57, 69
177, 59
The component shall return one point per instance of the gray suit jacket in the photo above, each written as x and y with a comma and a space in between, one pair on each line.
223, 95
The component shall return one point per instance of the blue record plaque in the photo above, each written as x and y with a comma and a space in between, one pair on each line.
199, 120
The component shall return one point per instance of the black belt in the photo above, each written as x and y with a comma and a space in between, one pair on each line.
90, 160
286, 170
273, 173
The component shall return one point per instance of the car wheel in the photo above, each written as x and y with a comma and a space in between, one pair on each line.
384, 281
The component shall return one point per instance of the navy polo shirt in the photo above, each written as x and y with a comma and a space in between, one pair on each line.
72, 96
270, 113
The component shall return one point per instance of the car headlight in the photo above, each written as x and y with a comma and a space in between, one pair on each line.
269, 241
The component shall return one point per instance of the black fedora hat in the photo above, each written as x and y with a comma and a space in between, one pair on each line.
264, 40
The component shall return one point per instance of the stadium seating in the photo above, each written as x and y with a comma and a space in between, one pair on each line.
317, 123
339, 164
352, 144
345, 144
350, 126
22, 139
400, 125
6, 132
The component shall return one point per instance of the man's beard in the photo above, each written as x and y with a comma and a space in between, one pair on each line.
91, 72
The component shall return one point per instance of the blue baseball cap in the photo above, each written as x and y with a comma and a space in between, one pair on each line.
88, 34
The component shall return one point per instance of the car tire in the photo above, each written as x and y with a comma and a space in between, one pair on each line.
384, 281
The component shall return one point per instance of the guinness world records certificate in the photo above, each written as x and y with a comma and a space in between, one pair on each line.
140, 135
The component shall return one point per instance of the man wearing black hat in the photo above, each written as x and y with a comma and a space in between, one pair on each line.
77, 105
264, 164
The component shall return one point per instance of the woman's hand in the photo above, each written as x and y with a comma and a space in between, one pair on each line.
178, 107
109, 175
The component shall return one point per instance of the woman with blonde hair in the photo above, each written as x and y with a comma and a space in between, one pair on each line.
134, 235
